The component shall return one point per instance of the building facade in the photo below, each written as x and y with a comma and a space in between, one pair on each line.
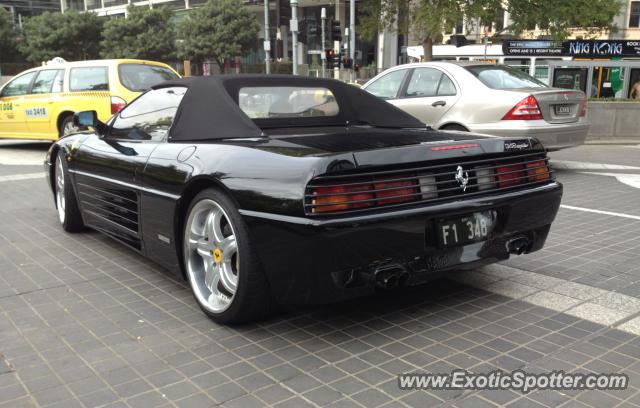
21, 9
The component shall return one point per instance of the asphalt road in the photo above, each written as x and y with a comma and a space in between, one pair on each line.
87, 322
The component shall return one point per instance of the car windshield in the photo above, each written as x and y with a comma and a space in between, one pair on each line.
267, 102
502, 77
140, 77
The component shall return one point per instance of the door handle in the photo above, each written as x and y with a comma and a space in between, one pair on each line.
438, 103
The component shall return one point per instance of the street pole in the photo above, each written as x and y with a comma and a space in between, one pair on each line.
352, 29
293, 26
323, 56
486, 40
267, 42
347, 44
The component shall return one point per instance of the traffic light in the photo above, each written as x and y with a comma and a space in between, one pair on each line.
329, 55
284, 13
337, 59
302, 31
336, 33
356, 67
347, 63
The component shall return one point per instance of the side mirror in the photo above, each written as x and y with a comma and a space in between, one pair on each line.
89, 119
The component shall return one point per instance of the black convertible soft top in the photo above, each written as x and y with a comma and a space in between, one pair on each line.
209, 109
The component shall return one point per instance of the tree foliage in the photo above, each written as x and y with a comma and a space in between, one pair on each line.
145, 34
7, 36
562, 17
70, 35
429, 19
219, 30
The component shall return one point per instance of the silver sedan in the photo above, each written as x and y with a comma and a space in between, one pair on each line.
485, 98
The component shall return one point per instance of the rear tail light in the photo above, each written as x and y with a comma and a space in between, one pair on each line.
117, 104
511, 175
526, 109
485, 178
583, 107
423, 185
341, 198
394, 192
538, 171
380, 192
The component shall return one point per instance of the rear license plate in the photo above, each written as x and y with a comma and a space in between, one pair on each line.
465, 229
563, 110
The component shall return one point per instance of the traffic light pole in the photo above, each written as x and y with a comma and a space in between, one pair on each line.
352, 29
323, 56
267, 40
293, 25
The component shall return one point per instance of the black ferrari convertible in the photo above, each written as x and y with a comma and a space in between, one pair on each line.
264, 190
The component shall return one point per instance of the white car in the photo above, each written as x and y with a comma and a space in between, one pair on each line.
485, 98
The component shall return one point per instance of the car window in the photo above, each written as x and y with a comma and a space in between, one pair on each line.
89, 79
47, 80
149, 117
19, 86
446, 87
388, 85
140, 77
424, 82
267, 102
503, 77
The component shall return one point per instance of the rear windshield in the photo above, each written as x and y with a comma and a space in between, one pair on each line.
267, 102
502, 77
139, 77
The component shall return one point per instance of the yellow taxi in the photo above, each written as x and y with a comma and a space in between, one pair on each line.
39, 103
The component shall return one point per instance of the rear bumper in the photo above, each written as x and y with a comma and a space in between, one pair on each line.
552, 136
321, 261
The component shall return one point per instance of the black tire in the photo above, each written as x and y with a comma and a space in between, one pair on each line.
68, 120
68, 212
252, 299
455, 127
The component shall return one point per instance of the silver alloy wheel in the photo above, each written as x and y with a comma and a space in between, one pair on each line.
60, 200
211, 255
69, 128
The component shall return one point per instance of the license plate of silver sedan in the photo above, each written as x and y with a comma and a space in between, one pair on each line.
563, 110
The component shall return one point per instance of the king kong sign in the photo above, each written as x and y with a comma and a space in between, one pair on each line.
573, 48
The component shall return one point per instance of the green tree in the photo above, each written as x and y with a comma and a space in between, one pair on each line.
72, 36
145, 34
428, 19
219, 30
563, 17
7, 36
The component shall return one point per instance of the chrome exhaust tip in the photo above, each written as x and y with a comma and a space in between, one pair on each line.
518, 245
390, 276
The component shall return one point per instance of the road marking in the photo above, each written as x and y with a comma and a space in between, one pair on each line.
606, 307
27, 176
615, 214
21, 158
22, 152
632, 180
576, 165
